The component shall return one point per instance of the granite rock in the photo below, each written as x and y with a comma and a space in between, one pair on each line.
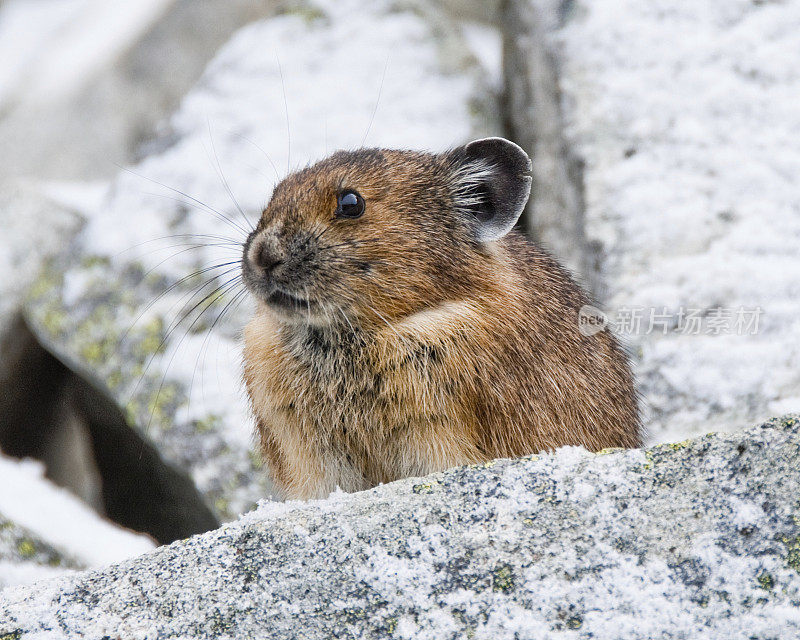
694, 539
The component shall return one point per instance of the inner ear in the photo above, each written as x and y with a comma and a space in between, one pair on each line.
491, 184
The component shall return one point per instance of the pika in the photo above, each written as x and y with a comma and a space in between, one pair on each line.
403, 327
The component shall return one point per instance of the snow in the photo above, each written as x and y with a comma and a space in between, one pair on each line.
58, 517
13, 574
486, 43
686, 115
86, 34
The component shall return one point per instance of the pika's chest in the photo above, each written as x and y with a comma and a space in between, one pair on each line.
336, 396
355, 409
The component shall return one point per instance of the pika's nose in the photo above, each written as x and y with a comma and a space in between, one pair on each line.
265, 257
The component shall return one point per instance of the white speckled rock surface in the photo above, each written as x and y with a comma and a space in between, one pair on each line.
690, 540
46, 530
685, 114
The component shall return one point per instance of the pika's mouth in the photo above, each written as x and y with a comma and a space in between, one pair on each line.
288, 302
274, 297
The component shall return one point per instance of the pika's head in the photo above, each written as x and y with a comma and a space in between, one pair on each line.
378, 234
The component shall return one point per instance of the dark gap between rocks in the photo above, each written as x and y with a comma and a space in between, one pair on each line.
52, 414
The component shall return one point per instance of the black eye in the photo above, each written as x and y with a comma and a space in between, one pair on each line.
350, 205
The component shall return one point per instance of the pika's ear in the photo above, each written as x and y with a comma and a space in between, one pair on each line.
491, 184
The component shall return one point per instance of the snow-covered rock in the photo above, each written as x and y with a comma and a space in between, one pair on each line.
685, 115
122, 303
688, 540
84, 82
26, 558
46, 530
34, 227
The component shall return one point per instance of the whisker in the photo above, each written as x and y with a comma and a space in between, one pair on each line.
222, 289
202, 206
206, 340
171, 328
149, 305
198, 205
224, 180
322, 231
217, 265
377, 101
266, 155
236, 301
222, 217
186, 248
286, 110
188, 313
204, 236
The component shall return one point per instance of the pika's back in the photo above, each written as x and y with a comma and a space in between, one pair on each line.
401, 327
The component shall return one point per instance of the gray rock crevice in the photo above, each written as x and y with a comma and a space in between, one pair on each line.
533, 117
51, 413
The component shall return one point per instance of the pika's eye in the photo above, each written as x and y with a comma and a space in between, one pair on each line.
350, 205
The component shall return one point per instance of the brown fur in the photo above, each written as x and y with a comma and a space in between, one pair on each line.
420, 348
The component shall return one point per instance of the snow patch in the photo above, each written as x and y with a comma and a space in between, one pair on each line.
58, 517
